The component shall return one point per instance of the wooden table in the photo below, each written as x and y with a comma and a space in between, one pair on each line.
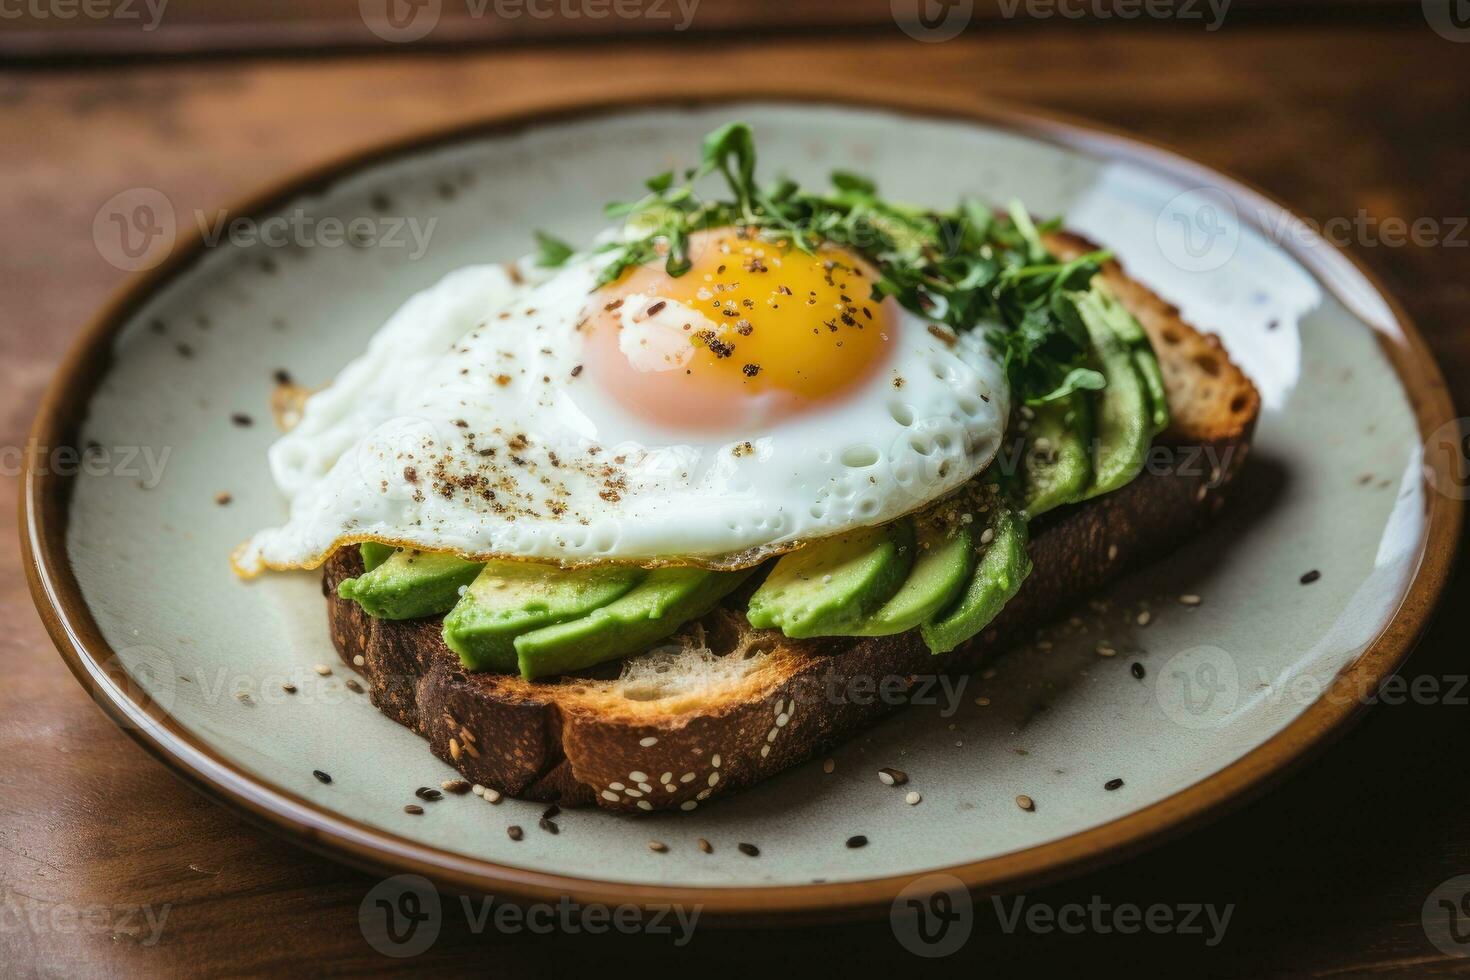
1327, 872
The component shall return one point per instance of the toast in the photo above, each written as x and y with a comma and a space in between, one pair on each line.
728, 705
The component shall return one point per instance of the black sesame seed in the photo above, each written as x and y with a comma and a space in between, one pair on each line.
749, 850
321, 776
549, 826
857, 840
427, 794
550, 812
413, 809
282, 376
514, 832
1137, 670
1311, 577
1112, 784
242, 420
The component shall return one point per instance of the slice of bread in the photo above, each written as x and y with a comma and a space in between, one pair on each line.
726, 705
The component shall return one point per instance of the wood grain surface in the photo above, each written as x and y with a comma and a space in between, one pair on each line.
1327, 873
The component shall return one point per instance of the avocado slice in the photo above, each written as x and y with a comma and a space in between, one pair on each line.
1056, 467
654, 609
1147, 365
1002, 568
1122, 425
828, 588
946, 558
374, 553
509, 598
409, 584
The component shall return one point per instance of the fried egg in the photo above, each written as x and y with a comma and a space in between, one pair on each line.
759, 401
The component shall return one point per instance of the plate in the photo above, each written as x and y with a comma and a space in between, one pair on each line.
167, 397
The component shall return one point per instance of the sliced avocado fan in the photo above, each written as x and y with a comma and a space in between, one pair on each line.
831, 587
1123, 424
946, 557
1056, 465
407, 583
509, 598
1003, 566
652, 611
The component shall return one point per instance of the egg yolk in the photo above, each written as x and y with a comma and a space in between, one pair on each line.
754, 332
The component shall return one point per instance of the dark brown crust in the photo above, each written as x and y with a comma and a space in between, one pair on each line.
552, 742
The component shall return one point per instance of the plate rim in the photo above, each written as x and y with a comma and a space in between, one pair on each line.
45, 497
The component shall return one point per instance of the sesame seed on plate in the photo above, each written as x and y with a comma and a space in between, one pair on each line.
492, 795
549, 826
458, 787
514, 832
705, 846
657, 846
289, 688
913, 797
1103, 650
889, 776
1310, 577
1190, 599
321, 777
1113, 784
1137, 670
322, 669
477, 789
1144, 618
749, 850
1026, 803
428, 795
414, 809
857, 840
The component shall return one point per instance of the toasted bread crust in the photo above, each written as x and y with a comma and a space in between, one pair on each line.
583, 740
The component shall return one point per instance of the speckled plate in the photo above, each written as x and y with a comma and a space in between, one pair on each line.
129, 550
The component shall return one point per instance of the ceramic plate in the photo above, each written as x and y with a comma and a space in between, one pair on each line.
130, 566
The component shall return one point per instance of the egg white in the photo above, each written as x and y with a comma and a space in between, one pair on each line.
468, 426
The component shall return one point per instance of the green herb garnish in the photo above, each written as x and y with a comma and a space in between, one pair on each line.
962, 268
